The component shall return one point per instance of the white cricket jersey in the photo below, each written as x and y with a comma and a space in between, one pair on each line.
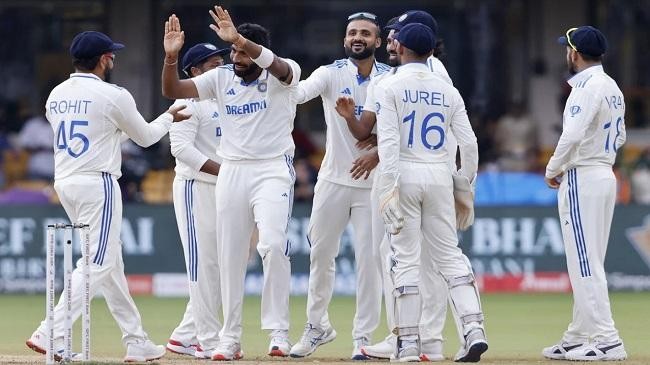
433, 64
415, 111
257, 116
88, 116
341, 78
195, 140
593, 127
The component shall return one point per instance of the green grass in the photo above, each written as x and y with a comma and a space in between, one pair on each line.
518, 326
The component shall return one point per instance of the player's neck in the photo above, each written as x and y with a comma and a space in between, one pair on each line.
364, 66
581, 66
96, 72
252, 77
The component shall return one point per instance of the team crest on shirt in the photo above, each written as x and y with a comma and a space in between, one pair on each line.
262, 86
640, 239
575, 109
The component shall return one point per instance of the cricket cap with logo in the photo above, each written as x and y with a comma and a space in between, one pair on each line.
199, 53
415, 16
417, 37
92, 43
585, 39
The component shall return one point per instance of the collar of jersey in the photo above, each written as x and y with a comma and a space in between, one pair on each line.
85, 75
585, 74
355, 70
413, 66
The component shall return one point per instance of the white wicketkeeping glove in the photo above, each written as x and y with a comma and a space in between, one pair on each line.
388, 188
464, 201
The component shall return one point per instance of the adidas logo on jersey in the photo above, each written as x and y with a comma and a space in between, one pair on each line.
231, 92
346, 91
215, 115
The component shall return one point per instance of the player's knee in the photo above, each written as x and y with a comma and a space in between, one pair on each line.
273, 242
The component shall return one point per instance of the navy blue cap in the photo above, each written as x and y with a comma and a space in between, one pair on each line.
91, 43
415, 16
201, 52
586, 39
417, 37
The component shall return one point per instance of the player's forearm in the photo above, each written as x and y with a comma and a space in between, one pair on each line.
210, 167
559, 159
356, 128
172, 86
146, 134
468, 160
186, 152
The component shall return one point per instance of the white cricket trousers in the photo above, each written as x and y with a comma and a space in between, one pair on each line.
427, 202
196, 216
433, 288
335, 206
586, 200
254, 193
95, 199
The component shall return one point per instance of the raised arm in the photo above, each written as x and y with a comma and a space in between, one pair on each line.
263, 57
360, 128
172, 86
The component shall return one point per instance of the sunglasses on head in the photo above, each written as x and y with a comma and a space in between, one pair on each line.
363, 15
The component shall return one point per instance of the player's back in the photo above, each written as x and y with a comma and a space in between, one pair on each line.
605, 106
425, 104
86, 140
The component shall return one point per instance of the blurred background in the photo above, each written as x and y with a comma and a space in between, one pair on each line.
501, 54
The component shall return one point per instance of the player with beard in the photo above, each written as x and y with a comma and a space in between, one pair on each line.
434, 287
339, 199
256, 177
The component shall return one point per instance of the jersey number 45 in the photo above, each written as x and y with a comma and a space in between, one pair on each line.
65, 140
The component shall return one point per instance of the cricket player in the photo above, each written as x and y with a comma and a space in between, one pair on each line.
194, 144
88, 116
415, 109
434, 305
338, 198
581, 169
255, 185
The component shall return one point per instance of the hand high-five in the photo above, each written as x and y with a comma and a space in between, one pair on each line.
174, 36
223, 25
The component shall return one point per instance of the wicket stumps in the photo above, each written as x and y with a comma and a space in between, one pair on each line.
83, 233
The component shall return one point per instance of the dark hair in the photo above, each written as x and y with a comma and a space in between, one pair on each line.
439, 49
86, 64
255, 33
589, 58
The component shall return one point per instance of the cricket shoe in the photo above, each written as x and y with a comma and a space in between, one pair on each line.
227, 351
407, 351
559, 350
431, 351
312, 337
381, 350
279, 345
203, 354
181, 348
598, 351
475, 346
144, 350
38, 343
357, 345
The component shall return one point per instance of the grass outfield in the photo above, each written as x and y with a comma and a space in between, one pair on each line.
518, 326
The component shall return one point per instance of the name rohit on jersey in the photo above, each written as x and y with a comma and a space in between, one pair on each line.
69, 106
427, 97
248, 108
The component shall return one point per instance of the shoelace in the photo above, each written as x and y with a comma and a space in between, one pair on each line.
307, 337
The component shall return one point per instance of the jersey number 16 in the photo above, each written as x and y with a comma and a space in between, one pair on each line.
426, 129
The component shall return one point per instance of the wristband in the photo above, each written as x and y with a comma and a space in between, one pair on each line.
265, 59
